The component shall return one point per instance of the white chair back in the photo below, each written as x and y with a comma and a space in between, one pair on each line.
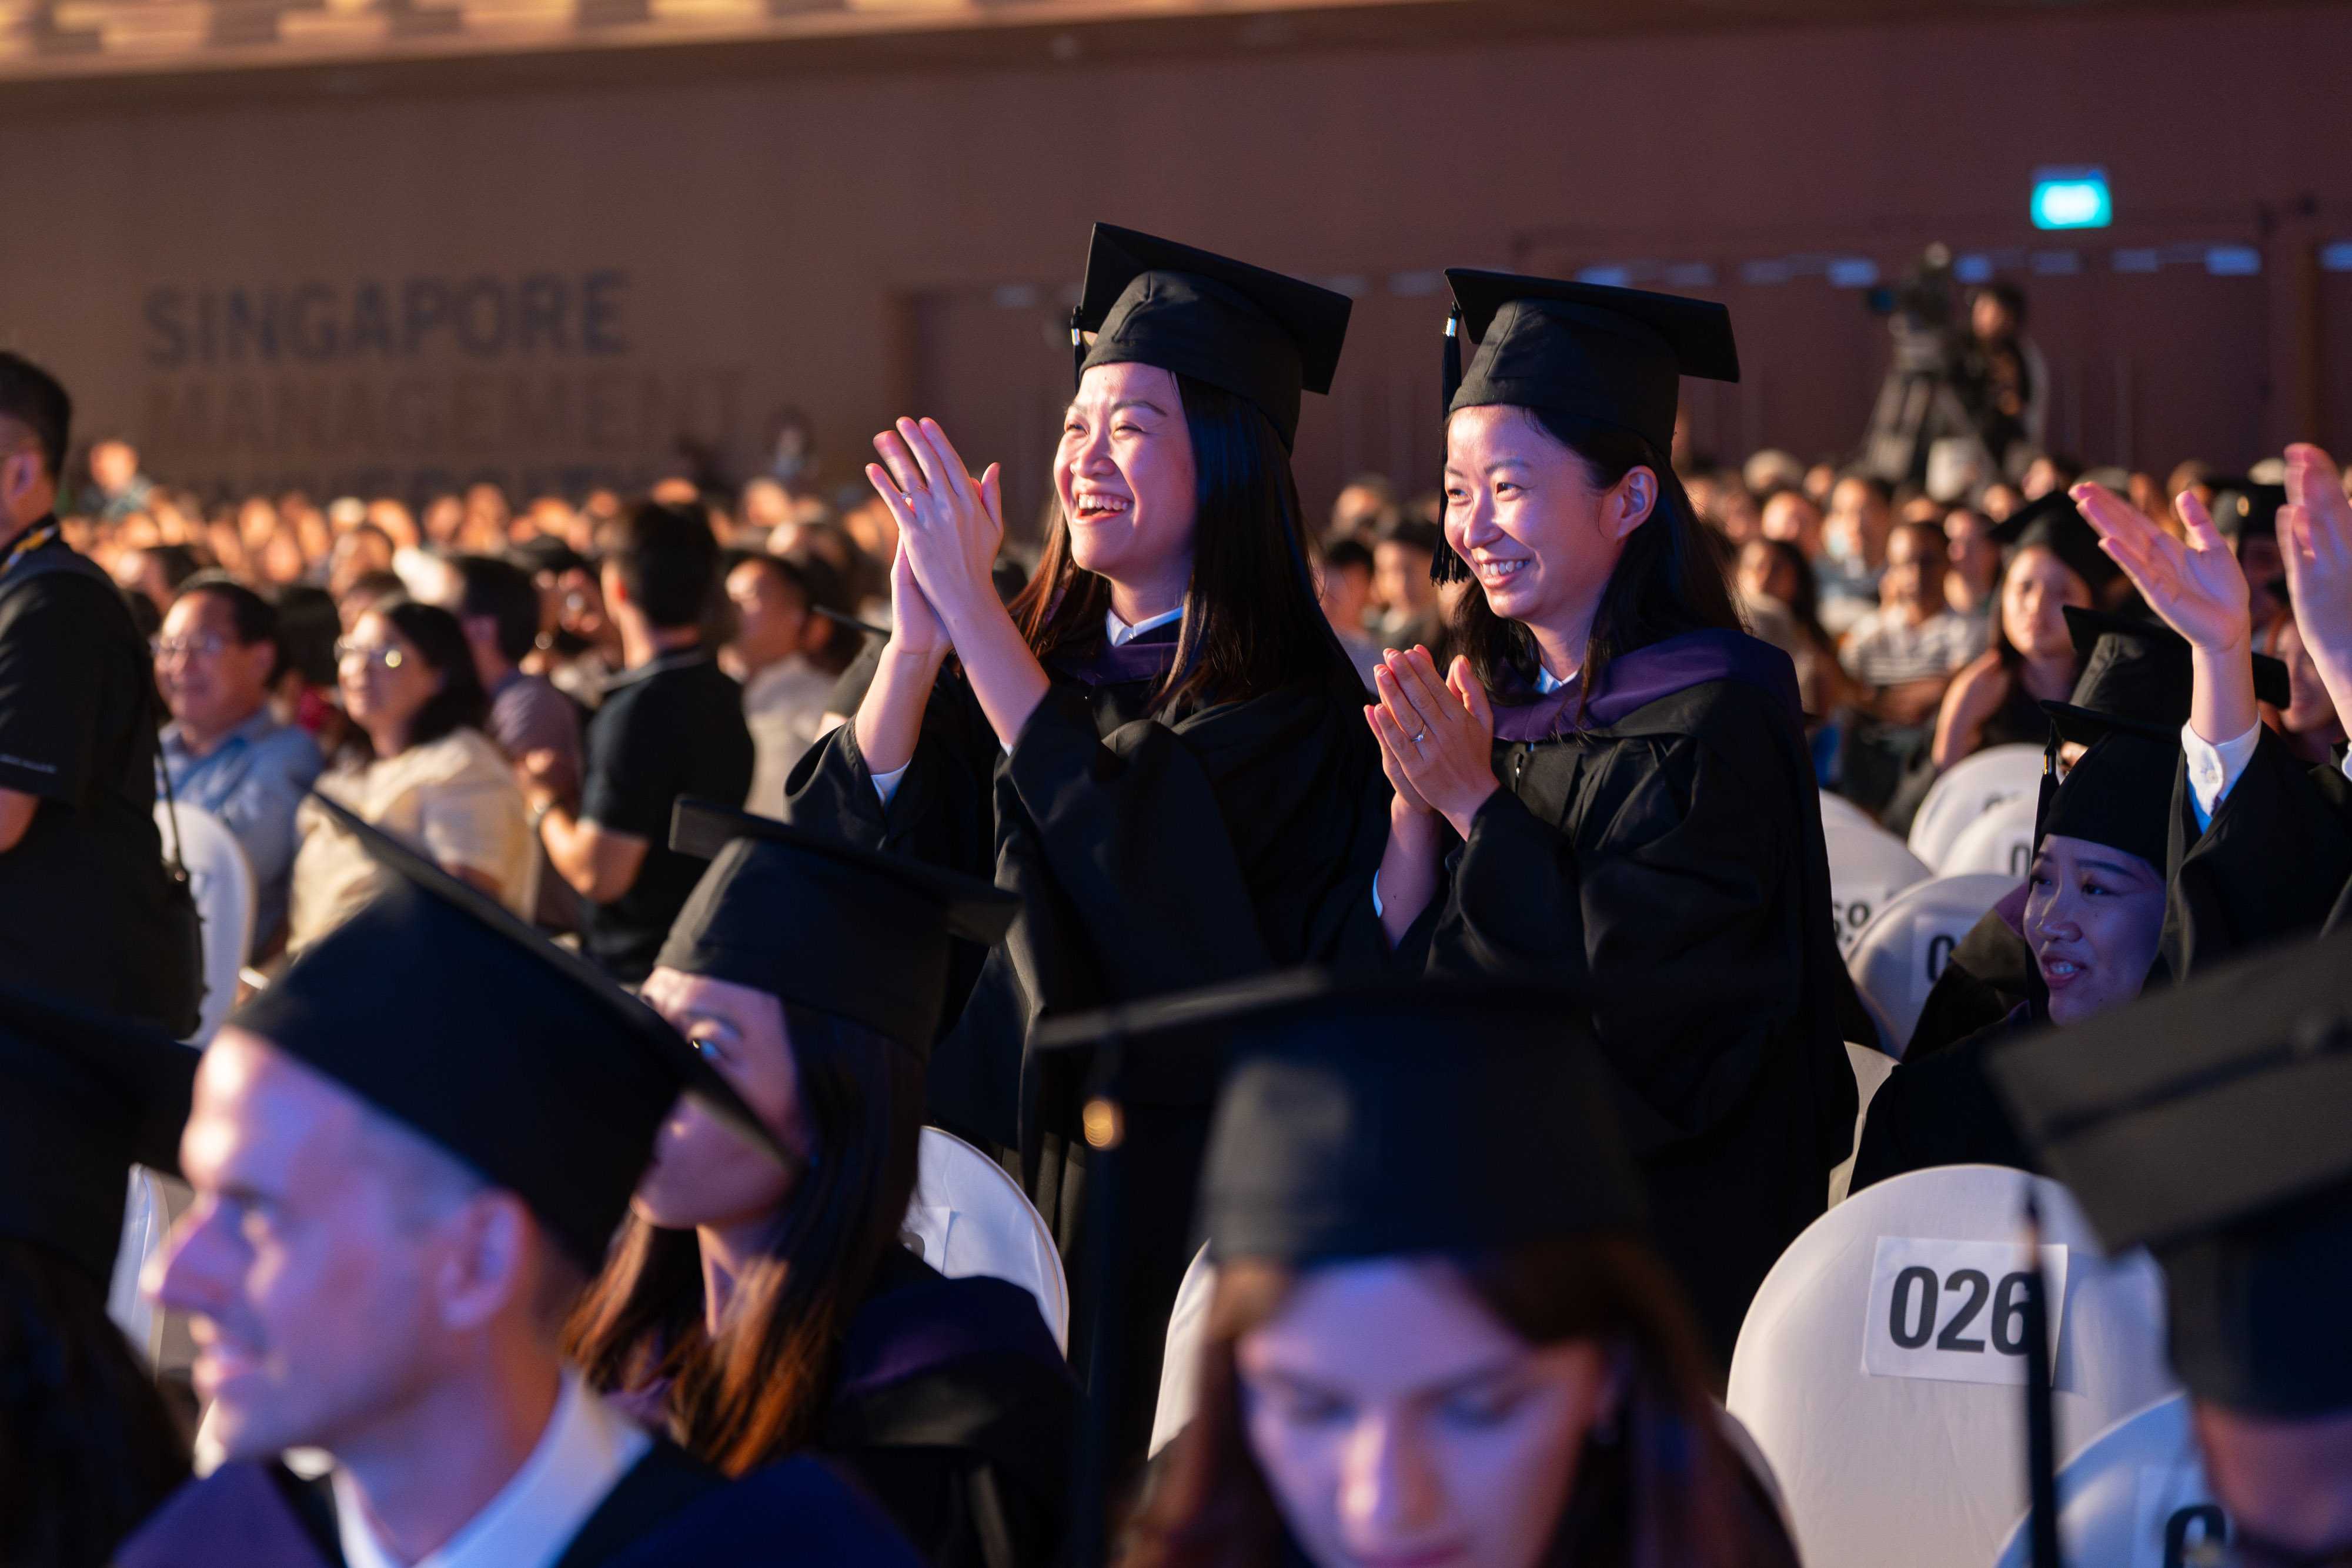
1881, 1367
1897, 960
222, 881
973, 1219
1999, 844
1966, 790
2135, 1495
1836, 808
1868, 865
1180, 1366
146, 1220
1871, 1068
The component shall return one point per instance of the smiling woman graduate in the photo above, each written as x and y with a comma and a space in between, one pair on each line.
1155, 744
1612, 780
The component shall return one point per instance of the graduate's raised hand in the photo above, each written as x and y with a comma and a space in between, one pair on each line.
2315, 530
1438, 731
914, 626
2195, 585
949, 525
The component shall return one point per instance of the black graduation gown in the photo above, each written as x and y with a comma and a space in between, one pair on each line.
954, 1410
1151, 856
1942, 1112
668, 1509
1988, 974
1671, 854
2275, 863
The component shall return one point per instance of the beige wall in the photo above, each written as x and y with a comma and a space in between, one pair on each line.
755, 240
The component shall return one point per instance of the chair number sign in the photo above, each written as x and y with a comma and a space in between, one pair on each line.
1955, 1311
1853, 907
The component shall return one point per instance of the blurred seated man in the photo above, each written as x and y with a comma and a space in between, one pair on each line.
1366, 509
1401, 585
1344, 587
2094, 913
217, 659
1854, 538
408, 1154
497, 603
1905, 653
789, 657
1792, 516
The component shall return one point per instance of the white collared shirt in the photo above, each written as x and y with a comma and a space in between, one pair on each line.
1546, 681
586, 1449
1120, 634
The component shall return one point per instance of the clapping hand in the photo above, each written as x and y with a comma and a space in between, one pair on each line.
2315, 537
949, 528
2195, 585
1436, 736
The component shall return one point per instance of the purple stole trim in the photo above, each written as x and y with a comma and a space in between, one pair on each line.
1148, 657
1636, 680
235, 1517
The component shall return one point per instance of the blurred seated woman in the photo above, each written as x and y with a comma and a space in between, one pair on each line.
755, 1312
1475, 1361
1781, 601
2309, 725
431, 776
1997, 700
2094, 914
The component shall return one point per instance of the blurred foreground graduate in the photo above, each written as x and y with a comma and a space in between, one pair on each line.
86, 1446
1612, 781
757, 1311
407, 1154
1477, 1359
1156, 745
2209, 1125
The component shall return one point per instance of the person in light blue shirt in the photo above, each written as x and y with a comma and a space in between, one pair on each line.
223, 750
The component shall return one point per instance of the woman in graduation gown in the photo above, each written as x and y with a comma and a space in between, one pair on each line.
1612, 783
1480, 1360
2093, 915
755, 1311
1155, 746
2265, 839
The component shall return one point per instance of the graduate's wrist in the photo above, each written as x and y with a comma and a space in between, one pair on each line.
1463, 814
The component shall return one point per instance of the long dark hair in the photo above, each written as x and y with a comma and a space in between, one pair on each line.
1673, 577
1657, 1485
1252, 621
759, 1390
461, 703
87, 1447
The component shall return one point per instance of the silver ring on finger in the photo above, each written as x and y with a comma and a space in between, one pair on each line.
1423, 736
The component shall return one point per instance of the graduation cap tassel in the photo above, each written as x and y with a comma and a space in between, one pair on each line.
1103, 1122
1077, 346
2041, 1435
1449, 373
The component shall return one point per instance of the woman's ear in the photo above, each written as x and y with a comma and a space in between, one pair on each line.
1630, 502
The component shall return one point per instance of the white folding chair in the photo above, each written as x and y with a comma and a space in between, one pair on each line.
1180, 1367
1871, 1068
1966, 790
2136, 1494
973, 1219
1868, 865
1898, 958
146, 1220
222, 881
1999, 844
1836, 808
1881, 1366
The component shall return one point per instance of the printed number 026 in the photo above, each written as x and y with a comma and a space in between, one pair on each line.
1911, 1316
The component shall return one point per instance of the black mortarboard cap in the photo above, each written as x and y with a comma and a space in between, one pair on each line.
440, 1008
2240, 506
2119, 793
1335, 1094
1256, 334
2136, 675
826, 925
2056, 524
1612, 356
2209, 1124
83, 1096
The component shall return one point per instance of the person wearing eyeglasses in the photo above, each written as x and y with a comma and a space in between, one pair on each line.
430, 777
225, 752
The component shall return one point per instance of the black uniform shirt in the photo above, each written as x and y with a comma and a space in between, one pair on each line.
82, 891
671, 728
